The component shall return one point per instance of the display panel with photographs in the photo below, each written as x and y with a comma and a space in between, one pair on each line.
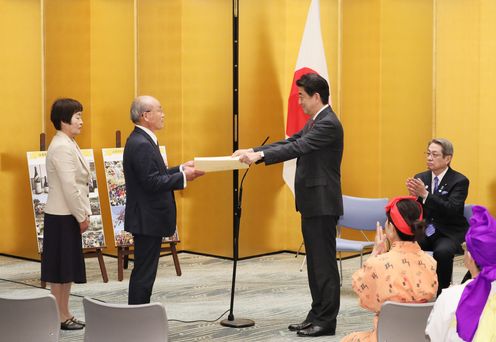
39, 186
116, 187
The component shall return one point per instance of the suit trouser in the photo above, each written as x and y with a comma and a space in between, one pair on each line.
146, 256
444, 250
319, 235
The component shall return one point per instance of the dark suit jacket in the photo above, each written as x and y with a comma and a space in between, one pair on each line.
319, 150
445, 208
150, 204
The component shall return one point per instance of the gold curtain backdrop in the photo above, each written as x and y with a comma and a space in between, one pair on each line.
401, 72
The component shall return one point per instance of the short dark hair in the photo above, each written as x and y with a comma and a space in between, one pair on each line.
410, 211
314, 83
63, 110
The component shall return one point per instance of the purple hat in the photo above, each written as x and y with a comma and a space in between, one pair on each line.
481, 243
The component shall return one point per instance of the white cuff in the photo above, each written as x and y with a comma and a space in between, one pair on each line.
184, 178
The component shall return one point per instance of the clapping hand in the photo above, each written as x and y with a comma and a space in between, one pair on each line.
416, 187
380, 243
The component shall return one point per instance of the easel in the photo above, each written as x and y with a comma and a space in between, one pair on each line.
87, 252
123, 252
97, 252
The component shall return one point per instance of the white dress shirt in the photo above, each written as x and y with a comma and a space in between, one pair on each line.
155, 140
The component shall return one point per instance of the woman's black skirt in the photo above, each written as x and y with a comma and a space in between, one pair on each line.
62, 260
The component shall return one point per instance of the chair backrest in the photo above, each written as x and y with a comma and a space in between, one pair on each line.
363, 213
122, 322
467, 211
404, 322
29, 319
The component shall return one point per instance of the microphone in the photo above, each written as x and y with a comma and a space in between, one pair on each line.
244, 175
261, 160
231, 321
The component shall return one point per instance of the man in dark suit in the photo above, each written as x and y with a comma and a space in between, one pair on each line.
442, 192
150, 206
318, 148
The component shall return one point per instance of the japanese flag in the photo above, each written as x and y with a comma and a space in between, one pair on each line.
311, 59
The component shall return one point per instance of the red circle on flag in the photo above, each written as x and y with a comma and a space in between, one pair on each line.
296, 117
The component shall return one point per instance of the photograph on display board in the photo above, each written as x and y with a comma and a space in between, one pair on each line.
116, 188
39, 186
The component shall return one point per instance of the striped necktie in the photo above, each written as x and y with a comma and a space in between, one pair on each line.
430, 229
436, 184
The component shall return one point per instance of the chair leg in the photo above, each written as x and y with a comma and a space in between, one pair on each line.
120, 264
175, 258
361, 259
299, 249
101, 262
303, 263
340, 270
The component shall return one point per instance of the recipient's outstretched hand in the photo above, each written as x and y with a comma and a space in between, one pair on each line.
190, 171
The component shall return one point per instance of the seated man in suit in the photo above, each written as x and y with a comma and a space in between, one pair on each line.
442, 192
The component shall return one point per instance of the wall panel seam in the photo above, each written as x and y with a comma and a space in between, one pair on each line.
434, 69
43, 91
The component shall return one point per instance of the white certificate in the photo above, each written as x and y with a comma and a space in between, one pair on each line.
211, 164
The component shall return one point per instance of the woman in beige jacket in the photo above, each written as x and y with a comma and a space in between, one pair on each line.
67, 209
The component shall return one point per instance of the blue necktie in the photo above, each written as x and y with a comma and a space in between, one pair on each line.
430, 228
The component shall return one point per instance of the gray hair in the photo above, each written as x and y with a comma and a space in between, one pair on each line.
140, 105
446, 145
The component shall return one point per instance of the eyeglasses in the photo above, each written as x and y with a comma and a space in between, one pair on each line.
160, 110
434, 155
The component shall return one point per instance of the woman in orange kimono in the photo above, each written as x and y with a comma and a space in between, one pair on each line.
403, 273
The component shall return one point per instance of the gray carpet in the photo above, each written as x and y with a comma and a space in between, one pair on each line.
270, 290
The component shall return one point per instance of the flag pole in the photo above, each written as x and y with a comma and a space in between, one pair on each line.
231, 321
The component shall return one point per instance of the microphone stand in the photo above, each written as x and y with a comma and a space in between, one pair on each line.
232, 322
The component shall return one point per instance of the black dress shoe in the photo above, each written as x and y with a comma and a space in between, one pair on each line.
70, 325
316, 330
75, 320
299, 326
